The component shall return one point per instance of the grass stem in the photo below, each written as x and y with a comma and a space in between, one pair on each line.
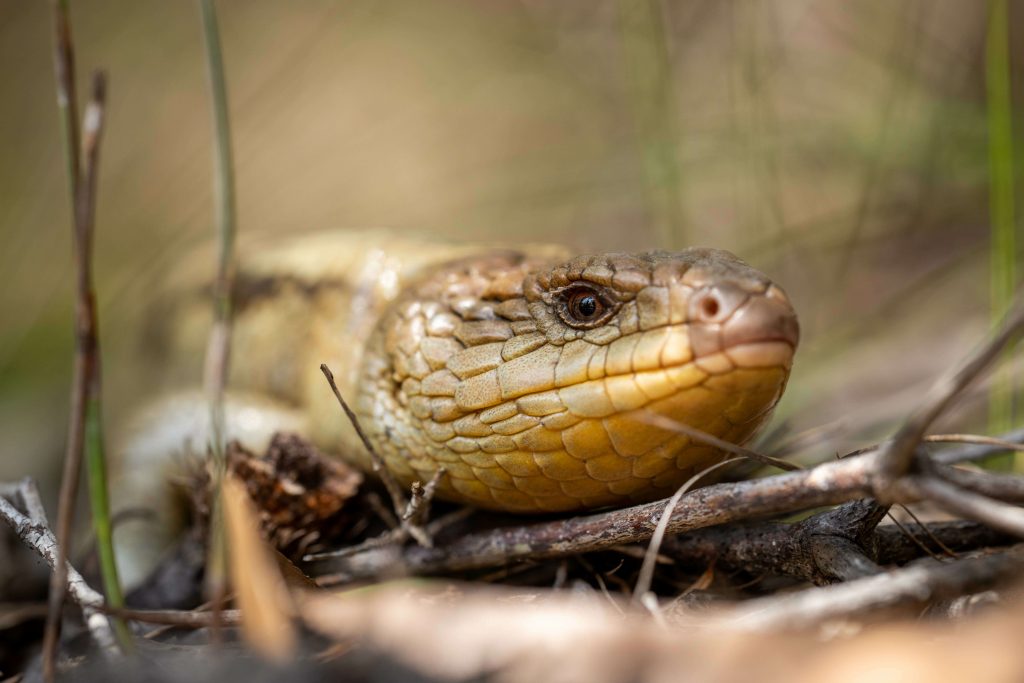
1001, 201
218, 358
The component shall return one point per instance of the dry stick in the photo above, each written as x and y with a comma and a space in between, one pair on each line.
643, 581
914, 585
392, 536
658, 420
179, 618
34, 531
419, 504
897, 455
788, 549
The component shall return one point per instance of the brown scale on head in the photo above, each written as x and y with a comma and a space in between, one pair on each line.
524, 379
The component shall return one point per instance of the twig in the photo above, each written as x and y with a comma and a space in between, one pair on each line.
909, 586
897, 455
34, 531
179, 618
658, 420
391, 537
416, 512
959, 501
643, 581
1005, 487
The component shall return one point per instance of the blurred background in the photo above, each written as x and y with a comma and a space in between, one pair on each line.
841, 147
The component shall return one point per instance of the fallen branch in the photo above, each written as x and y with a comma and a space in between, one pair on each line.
801, 549
916, 585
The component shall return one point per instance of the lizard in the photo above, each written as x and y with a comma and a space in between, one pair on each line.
523, 371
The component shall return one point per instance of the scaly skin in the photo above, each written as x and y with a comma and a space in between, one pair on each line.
480, 368
472, 359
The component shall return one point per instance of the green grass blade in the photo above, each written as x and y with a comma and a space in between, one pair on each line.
1001, 201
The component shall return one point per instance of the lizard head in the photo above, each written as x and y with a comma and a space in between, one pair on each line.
528, 380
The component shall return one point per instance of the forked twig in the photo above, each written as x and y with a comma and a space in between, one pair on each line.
897, 455
34, 531
667, 423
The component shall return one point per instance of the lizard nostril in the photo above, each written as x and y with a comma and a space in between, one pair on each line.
710, 307
715, 303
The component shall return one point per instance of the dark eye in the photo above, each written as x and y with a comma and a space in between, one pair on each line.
584, 305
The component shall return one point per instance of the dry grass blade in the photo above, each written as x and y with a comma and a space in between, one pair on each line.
976, 439
643, 582
260, 590
67, 102
218, 349
671, 425
394, 490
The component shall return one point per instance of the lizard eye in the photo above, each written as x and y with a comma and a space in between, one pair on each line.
583, 306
